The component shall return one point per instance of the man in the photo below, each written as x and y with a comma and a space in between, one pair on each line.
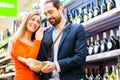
69, 52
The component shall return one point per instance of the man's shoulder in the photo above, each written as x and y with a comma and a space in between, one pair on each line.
76, 26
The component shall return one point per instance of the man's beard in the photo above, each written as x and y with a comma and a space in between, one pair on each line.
56, 21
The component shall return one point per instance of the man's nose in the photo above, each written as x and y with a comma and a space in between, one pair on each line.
48, 16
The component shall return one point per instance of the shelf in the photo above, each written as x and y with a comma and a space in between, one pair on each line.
3, 43
103, 56
102, 22
4, 59
7, 75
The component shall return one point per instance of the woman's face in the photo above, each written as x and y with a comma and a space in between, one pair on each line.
33, 23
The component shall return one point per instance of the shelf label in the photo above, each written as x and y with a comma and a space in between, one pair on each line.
8, 7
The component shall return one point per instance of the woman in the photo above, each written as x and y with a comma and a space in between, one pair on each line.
26, 43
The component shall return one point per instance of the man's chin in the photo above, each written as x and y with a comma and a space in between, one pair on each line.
52, 23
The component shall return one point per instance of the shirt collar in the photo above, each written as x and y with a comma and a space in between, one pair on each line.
61, 27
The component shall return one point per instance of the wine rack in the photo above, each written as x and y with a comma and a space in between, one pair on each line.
104, 21
103, 56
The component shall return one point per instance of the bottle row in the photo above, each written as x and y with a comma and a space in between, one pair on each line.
104, 73
89, 11
7, 67
107, 42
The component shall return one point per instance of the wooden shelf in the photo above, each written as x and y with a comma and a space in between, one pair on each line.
103, 56
7, 75
107, 20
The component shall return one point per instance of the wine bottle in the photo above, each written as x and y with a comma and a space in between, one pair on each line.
88, 44
111, 44
75, 16
118, 37
106, 75
96, 9
98, 76
91, 47
91, 77
110, 5
91, 15
85, 17
97, 45
68, 14
80, 16
103, 45
72, 15
103, 7
31, 62
113, 74
118, 68
86, 73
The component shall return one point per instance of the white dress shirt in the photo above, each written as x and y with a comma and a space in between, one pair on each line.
55, 75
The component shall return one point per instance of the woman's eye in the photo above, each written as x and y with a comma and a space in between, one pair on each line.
32, 19
38, 22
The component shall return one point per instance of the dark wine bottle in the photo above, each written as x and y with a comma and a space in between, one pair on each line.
111, 44
103, 46
80, 18
91, 77
76, 16
86, 73
91, 15
85, 16
88, 44
97, 45
91, 47
68, 14
96, 9
113, 73
103, 7
118, 38
98, 76
72, 15
106, 75
118, 68
110, 5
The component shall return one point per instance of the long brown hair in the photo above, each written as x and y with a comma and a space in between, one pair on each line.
20, 32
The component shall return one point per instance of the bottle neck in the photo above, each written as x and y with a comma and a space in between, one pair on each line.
118, 58
111, 33
97, 5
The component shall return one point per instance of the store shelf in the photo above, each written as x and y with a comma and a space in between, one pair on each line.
7, 75
103, 56
3, 43
3, 66
4, 59
107, 20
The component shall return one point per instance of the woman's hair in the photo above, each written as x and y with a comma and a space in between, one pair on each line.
21, 30
56, 3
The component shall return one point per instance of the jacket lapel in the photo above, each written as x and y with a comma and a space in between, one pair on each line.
48, 38
64, 35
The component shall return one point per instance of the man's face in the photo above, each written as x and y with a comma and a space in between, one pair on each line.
52, 14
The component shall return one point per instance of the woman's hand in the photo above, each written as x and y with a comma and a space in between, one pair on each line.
39, 33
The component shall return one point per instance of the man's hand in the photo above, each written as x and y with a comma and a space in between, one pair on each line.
36, 68
49, 67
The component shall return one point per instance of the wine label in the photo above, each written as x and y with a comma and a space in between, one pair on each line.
31, 62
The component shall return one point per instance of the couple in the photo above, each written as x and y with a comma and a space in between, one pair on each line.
66, 56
